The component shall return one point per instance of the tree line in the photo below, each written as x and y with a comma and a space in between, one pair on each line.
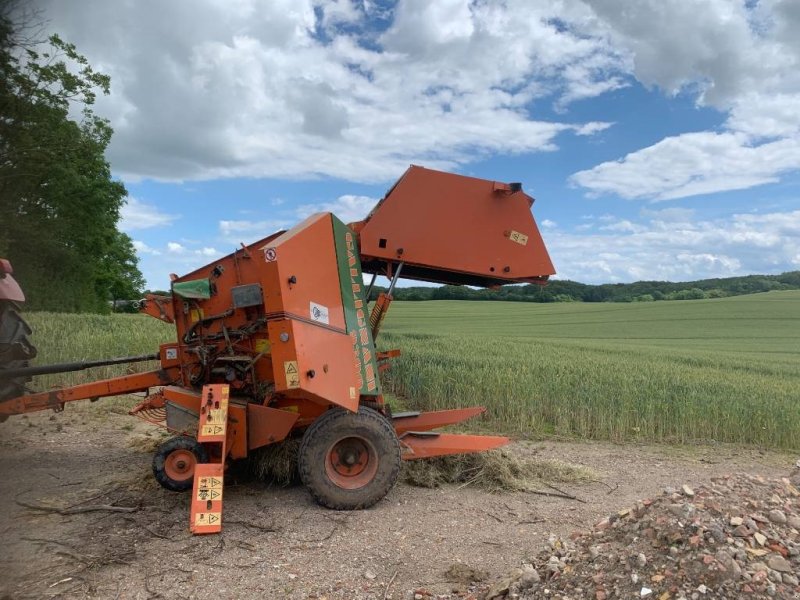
59, 204
571, 291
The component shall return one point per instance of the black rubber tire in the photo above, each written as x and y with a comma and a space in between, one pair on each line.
180, 442
338, 424
382, 409
15, 349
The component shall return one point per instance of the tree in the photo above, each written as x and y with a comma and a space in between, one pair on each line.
59, 203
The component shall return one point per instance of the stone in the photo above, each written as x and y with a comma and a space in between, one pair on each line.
687, 491
760, 538
777, 516
530, 577
641, 559
789, 579
794, 522
646, 591
736, 521
778, 563
370, 575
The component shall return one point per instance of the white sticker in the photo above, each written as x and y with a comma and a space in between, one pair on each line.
172, 353
319, 313
270, 254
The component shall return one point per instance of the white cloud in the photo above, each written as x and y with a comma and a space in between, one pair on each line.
143, 248
176, 248
140, 215
692, 164
665, 246
548, 224
347, 208
739, 57
202, 90
247, 232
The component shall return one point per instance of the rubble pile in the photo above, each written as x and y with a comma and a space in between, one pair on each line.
737, 537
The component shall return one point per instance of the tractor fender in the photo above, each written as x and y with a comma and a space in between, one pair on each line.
9, 288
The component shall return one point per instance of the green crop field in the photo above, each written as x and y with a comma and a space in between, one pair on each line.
682, 371
725, 369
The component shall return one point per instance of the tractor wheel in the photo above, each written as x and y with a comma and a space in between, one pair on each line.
174, 462
15, 349
349, 460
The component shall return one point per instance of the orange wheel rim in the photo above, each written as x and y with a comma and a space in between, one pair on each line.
351, 463
179, 465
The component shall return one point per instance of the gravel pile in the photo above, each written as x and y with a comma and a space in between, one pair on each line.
738, 537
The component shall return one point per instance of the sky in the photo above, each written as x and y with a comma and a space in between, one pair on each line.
660, 138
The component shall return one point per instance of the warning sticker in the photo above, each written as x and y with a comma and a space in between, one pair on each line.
352, 393
201, 519
212, 429
292, 374
209, 494
262, 345
217, 416
318, 313
520, 238
214, 483
270, 254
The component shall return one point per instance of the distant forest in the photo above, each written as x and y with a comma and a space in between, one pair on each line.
571, 291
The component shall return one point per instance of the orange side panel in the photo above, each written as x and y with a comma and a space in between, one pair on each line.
268, 425
433, 420
428, 445
315, 361
238, 424
454, 229
302, 273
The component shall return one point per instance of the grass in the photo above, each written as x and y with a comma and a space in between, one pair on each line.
677, 372
683, 371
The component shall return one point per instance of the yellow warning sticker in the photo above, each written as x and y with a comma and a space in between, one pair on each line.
520, 238
217, 416
262, 345
205, 494
212, 429
212, 483
195, 315
209, 518
292, 374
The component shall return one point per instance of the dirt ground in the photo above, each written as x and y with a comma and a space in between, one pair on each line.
276, 542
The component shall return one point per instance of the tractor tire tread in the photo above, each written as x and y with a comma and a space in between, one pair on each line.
180, 442
311, 467
15, 348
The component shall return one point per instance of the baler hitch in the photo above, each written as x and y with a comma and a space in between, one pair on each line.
73, 366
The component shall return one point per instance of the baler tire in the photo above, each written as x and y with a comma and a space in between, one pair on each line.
340, 431
382, 409
15, 349
186, 446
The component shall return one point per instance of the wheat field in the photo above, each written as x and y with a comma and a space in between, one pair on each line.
683, 371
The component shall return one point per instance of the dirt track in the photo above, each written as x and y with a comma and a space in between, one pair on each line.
276, 542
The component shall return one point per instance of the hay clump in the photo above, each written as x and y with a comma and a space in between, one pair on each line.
277, 463
495, 471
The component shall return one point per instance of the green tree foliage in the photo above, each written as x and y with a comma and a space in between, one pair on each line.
59, 206
560, 290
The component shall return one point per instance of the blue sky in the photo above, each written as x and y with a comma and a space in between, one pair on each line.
651, 155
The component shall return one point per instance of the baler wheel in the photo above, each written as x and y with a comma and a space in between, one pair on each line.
349, 460
174, 462
15, 348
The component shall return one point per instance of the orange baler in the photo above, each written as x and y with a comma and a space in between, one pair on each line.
276, 339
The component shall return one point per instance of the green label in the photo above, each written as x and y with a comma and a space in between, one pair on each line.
356, 314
